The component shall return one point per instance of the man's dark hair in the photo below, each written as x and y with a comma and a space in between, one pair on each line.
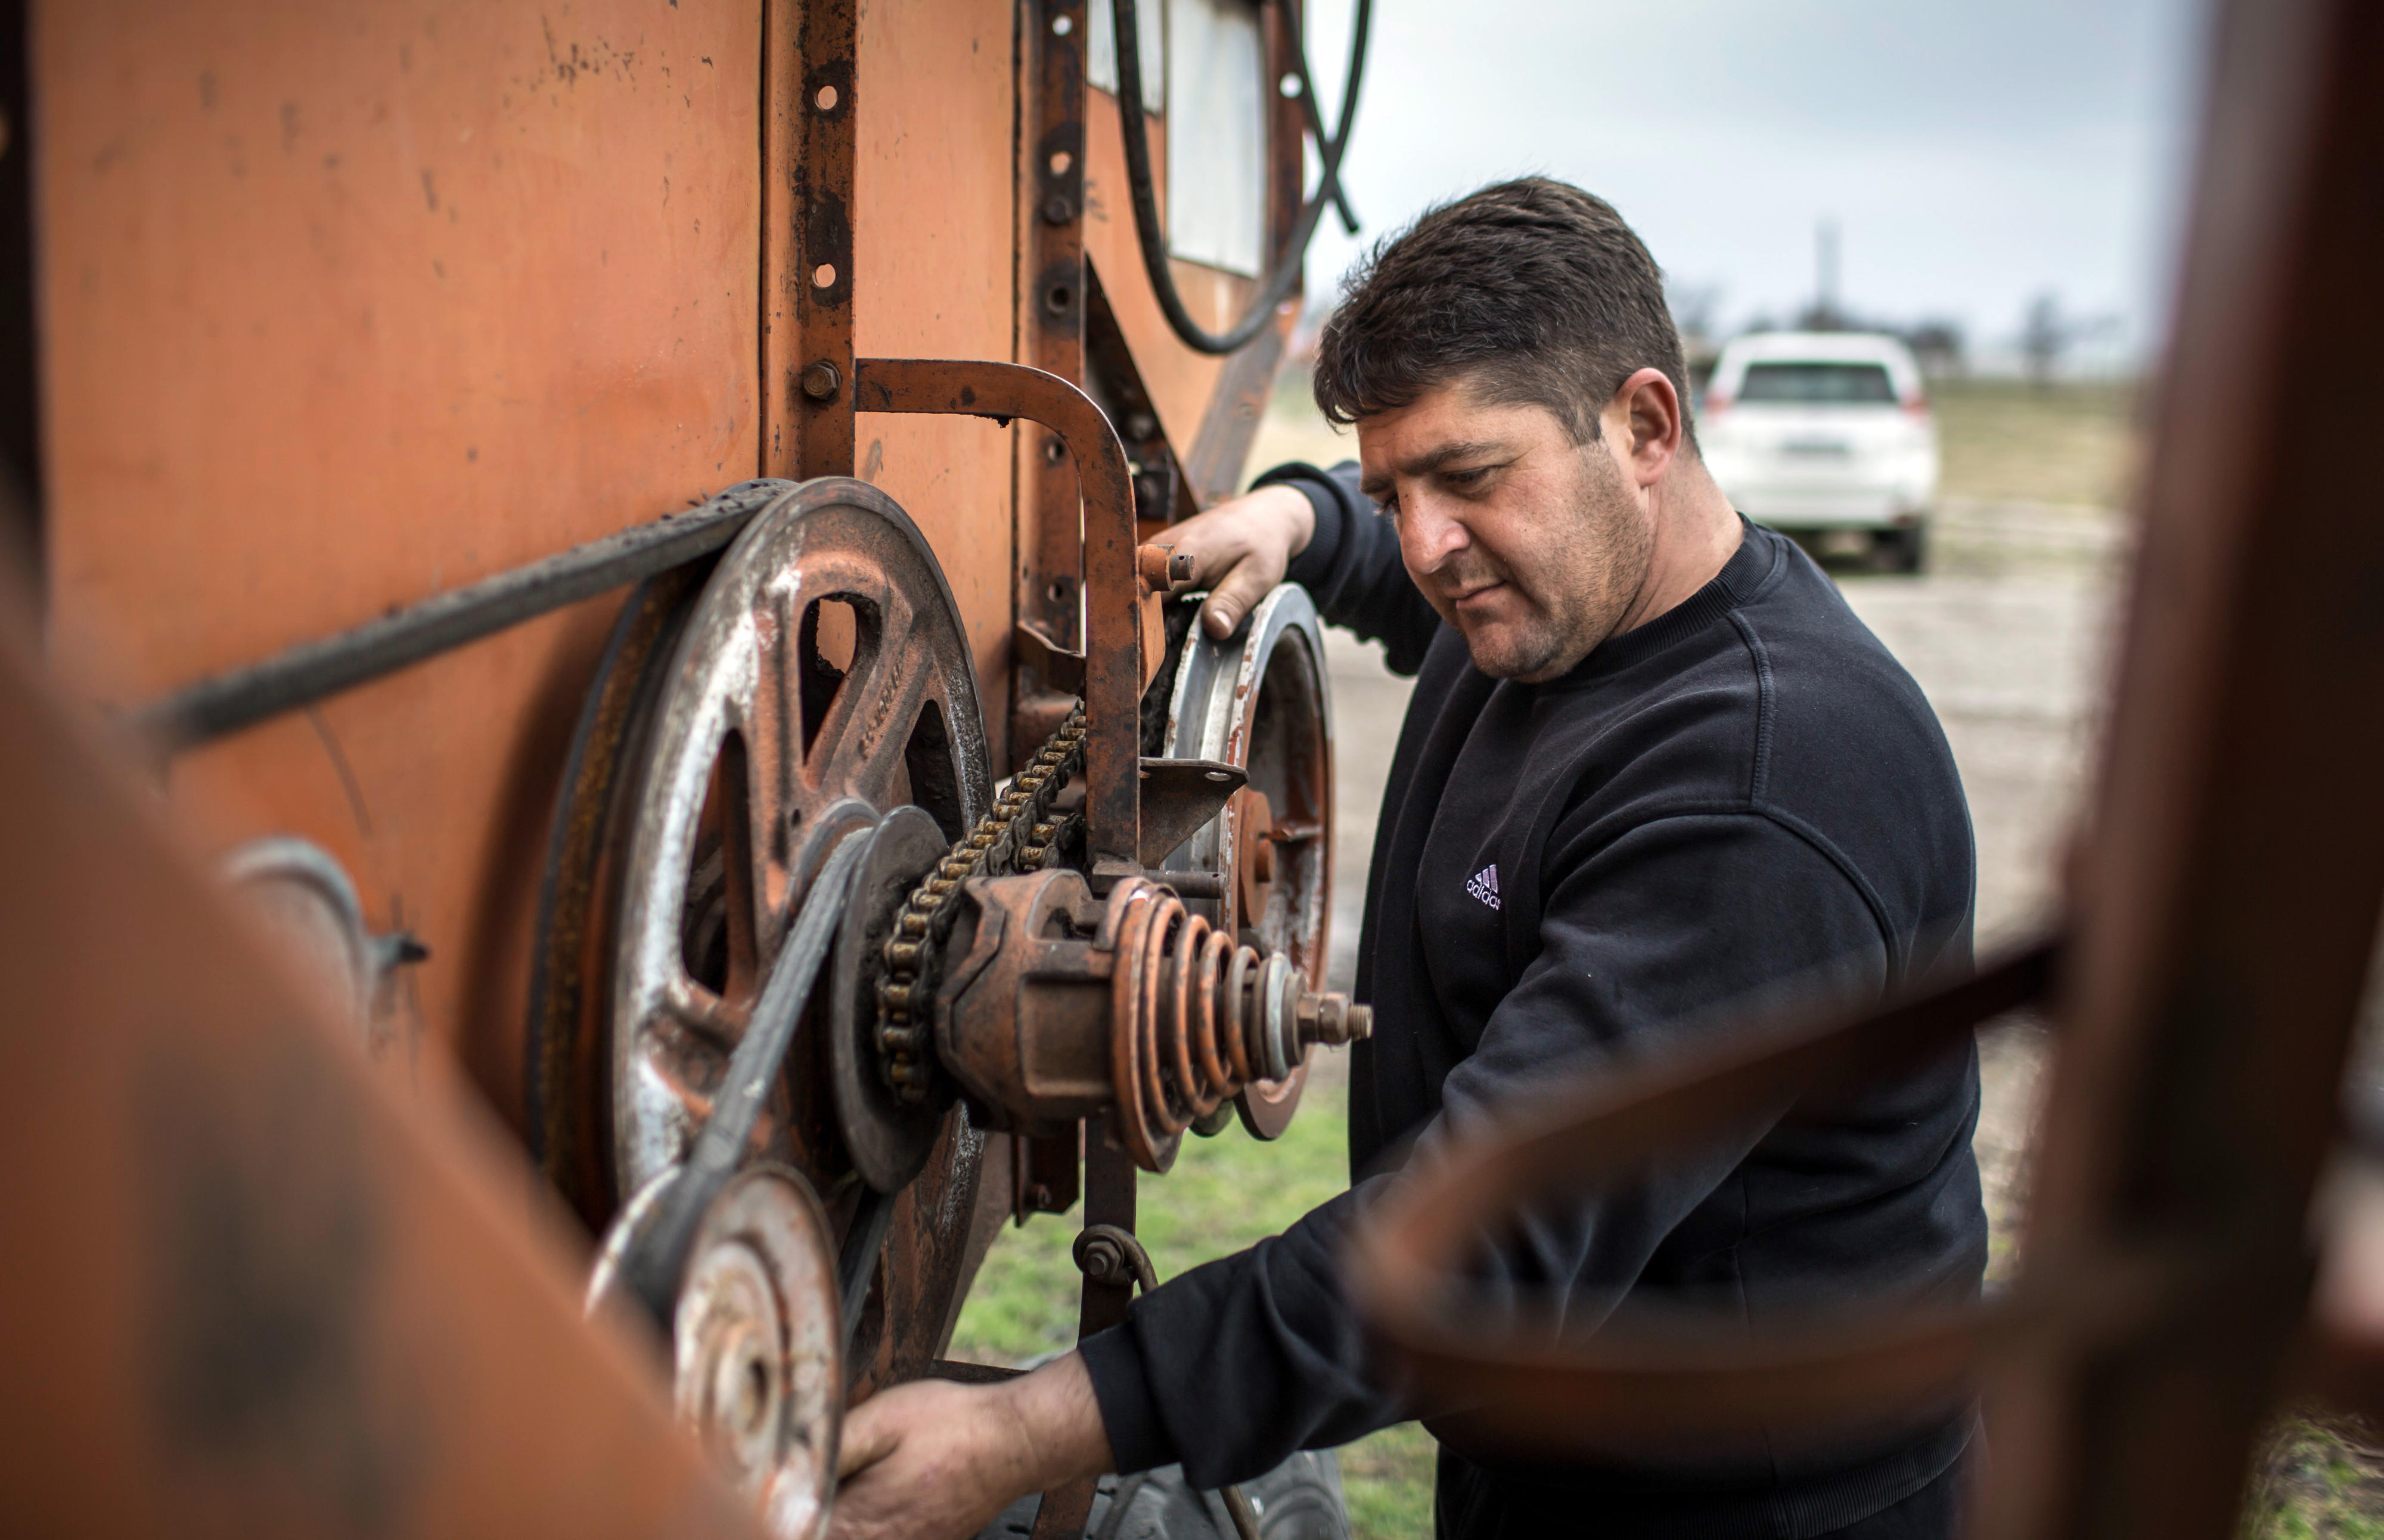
1533, 290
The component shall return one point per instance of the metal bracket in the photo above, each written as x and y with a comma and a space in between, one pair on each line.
1114, 590
1178, 797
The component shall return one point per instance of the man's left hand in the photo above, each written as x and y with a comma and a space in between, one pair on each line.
936, 1461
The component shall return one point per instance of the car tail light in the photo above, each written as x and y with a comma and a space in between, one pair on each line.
1715, 405
1915, 405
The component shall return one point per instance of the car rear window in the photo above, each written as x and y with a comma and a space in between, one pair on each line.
1817, 383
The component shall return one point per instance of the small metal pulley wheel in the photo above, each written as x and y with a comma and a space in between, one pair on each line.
1260, 700
756, 1341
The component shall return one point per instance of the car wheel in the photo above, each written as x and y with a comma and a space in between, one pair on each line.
1903, 550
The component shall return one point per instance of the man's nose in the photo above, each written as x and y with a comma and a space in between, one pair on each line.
1430, 535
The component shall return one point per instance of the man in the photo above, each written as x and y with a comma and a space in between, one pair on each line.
1653, 765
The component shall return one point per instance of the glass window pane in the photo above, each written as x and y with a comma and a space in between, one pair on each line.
1817, 382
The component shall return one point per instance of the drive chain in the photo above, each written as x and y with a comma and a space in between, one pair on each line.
1019, 834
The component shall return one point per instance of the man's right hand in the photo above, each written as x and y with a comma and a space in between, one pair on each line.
1241, 549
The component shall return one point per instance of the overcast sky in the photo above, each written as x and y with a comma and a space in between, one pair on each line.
1972, 154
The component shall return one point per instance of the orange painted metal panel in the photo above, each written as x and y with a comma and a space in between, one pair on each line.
347, 304
933, 279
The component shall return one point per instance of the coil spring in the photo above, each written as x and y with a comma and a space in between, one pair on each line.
1188, 1023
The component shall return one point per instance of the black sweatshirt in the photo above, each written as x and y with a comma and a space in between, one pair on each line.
1746, 792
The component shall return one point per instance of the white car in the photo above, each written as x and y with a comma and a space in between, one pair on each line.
1825, 434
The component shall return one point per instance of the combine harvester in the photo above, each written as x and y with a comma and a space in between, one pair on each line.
638, 532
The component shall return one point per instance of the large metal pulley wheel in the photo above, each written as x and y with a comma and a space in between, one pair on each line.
813, 687
1259, 699
823, 676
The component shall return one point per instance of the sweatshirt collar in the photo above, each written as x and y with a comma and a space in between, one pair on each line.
1741, 578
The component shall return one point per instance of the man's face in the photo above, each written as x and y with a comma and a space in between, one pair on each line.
1531, 545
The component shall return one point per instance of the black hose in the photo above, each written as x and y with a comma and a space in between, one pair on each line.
1144, 188
1313, 111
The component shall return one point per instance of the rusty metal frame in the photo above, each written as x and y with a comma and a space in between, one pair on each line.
1114, 590
1052, 93
2224, 913
822, 280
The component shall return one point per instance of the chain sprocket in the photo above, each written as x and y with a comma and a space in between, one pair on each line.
1019, 834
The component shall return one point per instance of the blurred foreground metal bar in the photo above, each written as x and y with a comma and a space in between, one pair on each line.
1525, 1386
247, 1288
2224, 917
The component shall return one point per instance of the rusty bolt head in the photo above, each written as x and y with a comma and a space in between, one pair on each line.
1058, 209
821, 380
1099, 1258
1141, 426
1331, 1018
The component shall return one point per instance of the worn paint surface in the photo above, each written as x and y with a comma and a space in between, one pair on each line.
345, 306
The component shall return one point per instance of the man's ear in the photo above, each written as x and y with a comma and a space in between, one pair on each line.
1647, 416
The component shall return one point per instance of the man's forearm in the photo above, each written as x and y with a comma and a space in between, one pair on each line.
1060, 1422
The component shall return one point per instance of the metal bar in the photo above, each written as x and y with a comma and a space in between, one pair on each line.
1528, 1383
2228, 899
824, 275
1112, 588
2234, 866
1110, 1186
312, 671
1052, 312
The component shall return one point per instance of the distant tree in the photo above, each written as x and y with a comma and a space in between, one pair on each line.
1937, 345
2044, 337
2048, 335
1694, 309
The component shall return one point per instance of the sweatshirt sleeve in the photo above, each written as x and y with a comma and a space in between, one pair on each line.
1236, 1364
1352, 567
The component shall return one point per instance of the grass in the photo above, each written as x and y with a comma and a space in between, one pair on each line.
1222, 1195
2317, 1479
2003, 440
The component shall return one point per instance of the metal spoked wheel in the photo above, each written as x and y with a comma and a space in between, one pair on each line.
1259, 700
747, 721
824, 677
